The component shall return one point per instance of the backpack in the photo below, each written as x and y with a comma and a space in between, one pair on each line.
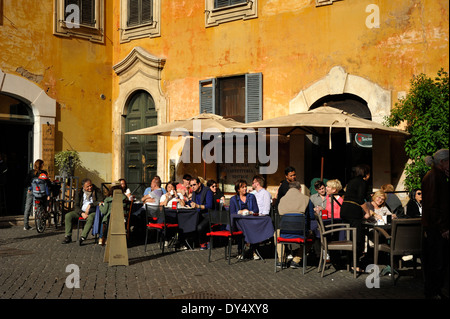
38, 187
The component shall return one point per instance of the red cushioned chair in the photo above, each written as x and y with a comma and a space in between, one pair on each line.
155, 219
292, 231
220, 225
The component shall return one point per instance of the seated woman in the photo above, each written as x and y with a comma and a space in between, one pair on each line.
414, 206
171, 196
217, 193
333, 187
243, 202
105, 210
378, 208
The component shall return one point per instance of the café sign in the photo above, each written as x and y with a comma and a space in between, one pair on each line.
363, 140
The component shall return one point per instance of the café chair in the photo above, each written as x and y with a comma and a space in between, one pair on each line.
328, 244
405, 239
80, 225
161, 226
292, 230
220, 225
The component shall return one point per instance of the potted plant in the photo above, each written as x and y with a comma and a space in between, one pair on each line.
67, 161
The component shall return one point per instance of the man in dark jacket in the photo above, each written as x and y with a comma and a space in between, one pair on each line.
202, 199
86, 201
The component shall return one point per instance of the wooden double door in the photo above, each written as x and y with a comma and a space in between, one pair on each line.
140, 150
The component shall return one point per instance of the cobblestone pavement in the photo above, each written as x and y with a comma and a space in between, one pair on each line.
33, 266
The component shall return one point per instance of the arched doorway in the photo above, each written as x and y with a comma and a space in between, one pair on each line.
16, 149
140, 150
338, 161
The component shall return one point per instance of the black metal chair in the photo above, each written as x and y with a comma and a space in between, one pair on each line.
405, 239
292, 230
220, 226
156, 219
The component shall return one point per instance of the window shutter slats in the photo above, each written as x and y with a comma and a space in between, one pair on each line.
88, 12
133, 12
253, 97
207, 96
147, 14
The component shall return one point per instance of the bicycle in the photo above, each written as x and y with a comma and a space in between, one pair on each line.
45, 209
55, 205
41, 214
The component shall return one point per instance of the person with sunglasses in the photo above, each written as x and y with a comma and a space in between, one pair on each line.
414, 206
217, 193
202, 200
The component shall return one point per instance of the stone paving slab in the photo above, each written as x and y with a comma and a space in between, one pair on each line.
33, 266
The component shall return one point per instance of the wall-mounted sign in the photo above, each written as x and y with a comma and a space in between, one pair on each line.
363, 140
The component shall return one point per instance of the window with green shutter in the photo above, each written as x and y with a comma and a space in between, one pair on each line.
87, 11
237, 97
139, 12
226, 3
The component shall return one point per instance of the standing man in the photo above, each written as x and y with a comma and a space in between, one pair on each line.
435, 213
263, 197
291, 176
86, 202
202, 200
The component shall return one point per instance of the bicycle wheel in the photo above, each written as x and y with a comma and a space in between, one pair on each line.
40, 219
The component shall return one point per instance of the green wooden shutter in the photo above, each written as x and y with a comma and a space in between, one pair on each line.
147, 12
88, 12
208, 96
253, 97
133, 12
139, 12
226, 3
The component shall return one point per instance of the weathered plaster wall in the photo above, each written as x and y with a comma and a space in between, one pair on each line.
295, 44
72, 71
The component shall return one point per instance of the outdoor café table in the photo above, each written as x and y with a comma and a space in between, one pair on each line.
186, 218
256, 229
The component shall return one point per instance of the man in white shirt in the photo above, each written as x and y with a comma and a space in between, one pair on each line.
263, 197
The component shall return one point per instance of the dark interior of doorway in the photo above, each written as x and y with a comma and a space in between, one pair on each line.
338, 161
15, 144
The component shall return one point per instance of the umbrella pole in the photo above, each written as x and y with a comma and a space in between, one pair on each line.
321, 169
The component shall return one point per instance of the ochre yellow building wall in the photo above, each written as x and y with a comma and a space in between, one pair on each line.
294, 44
73, 71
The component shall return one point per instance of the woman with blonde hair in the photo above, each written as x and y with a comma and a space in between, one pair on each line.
378, 208
334, 186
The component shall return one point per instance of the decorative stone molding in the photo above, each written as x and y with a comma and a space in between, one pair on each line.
320, 3
43, 106
337, 81
216, 16
139, 70
150, 30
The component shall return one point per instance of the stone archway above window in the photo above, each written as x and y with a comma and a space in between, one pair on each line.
337, 81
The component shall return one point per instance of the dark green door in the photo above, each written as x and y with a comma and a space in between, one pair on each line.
140, 150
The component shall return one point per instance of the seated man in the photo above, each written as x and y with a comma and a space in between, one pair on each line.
263, 197
105, 210
86, 201
151, 197
294, 202
319, 199
202, 199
